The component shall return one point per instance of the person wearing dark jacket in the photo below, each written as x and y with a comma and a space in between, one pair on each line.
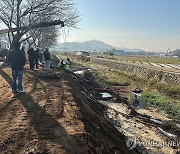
23, 49
47, 58
37, 55
17, 60
31, 57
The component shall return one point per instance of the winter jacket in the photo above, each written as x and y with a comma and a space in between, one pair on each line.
47, 55
17, 59
37, 53
31, 53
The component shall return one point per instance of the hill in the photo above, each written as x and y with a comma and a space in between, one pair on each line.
93, 45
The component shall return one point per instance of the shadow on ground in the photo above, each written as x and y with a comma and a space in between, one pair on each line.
46, 126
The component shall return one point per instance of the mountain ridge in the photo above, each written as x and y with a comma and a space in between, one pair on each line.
92, 45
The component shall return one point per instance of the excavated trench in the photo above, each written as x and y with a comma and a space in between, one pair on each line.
142, 127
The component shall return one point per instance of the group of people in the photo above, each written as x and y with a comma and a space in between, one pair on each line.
34, 55
17, 60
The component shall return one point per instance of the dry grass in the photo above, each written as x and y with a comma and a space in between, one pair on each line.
152, 59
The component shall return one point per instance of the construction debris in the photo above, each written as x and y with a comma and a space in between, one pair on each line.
106, 95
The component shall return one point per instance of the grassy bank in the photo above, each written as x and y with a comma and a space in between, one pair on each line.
161, 95
157, 94
170, 106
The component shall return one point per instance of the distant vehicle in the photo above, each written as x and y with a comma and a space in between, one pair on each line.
4, 48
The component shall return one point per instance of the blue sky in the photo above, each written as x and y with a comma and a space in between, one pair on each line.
145, 24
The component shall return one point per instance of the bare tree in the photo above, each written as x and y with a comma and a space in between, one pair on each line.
19, 13
44, 37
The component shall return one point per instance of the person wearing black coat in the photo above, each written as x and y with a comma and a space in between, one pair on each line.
31, 57
47, 58
23, 49
37, 55
17, 60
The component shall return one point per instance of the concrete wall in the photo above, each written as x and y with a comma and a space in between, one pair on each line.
156, 75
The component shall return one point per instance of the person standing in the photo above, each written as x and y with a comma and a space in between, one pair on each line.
23, 49
41, 56
37, 55
17, 60
31, 57
47, 58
